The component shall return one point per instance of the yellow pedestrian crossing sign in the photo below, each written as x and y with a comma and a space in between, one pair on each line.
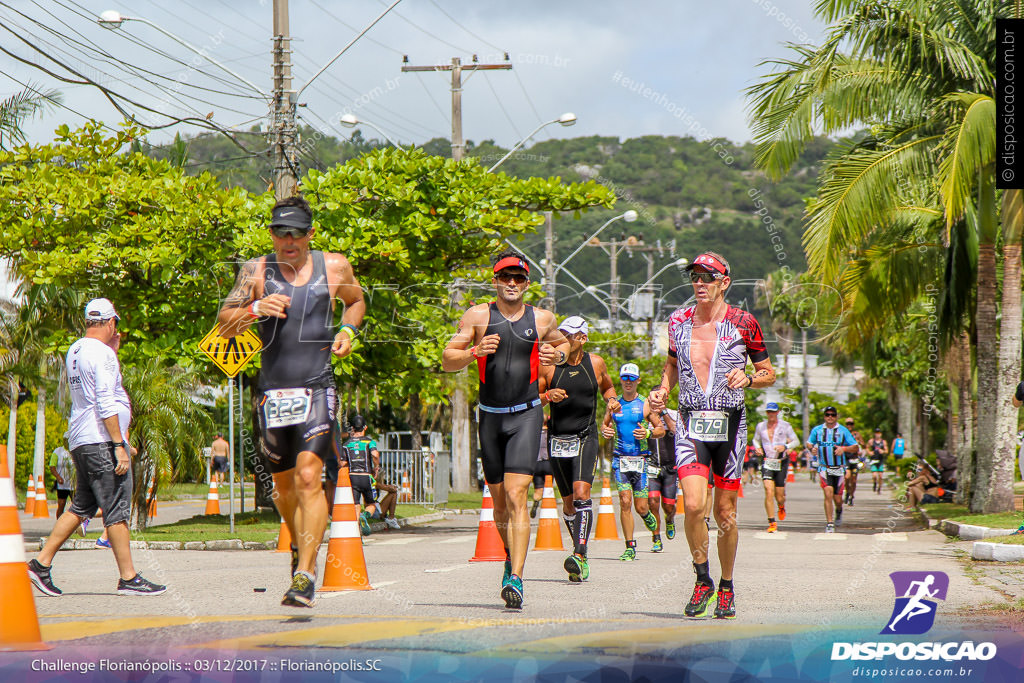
230, 354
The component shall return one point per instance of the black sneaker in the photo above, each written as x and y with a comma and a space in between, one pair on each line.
533, 509
302, 592
839, 516
295, 560
700, 600
139, 586
726, 606
40, 577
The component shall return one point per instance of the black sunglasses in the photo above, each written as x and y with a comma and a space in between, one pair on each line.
831, 414
282, 232
517, 278
706, 278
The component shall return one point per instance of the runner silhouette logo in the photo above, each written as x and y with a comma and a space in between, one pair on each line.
916, 592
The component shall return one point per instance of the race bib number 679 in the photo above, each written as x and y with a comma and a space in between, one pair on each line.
708, 425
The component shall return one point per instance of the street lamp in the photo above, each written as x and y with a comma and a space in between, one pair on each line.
350, 121
112, 19
629, 216
678, 263
566, 119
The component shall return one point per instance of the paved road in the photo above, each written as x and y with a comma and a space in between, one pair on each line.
428, 597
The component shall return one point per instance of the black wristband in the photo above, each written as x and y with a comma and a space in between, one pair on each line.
1020, 392
750, 381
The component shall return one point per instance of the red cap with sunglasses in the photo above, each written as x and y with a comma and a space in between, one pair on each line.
710, 262
511, 262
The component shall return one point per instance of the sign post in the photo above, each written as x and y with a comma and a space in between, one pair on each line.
231, 354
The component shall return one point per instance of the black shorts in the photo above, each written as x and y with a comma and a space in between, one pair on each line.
542, 470
778, 476
721, 458
568, 471
282, 445
751, 464
363, 489
664, 485
62, 494
220, 464
509, 443
97, 485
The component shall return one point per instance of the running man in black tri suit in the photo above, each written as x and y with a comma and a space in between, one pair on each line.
662, 480
509, 340
291, 294
572, 390
363, 458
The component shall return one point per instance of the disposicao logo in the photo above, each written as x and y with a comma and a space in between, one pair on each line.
914, 611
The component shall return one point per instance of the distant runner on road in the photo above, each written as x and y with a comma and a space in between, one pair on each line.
771, 439
829, 444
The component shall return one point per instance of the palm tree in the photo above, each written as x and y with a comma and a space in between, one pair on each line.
20, 106
920, 76
168, 427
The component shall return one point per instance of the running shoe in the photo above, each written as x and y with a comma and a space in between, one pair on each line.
830, 528
629, 555
533, 509
508, 570
102, 542
772, 527
41, 579
851, 502
364, 524
139, 586
782, 513
699, 601
83, 527
650, 521
512, 593
707, 523
1019, 531
657, 547
670, 530
577, 567
295, 560
839, 517
302, 592
392, 522
725, 608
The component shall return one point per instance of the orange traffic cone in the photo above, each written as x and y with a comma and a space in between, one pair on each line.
30, 495
41, 509
406, 494
152, 500
3, 457
19, 624
606, 529
489, 547
284, 539
790, 478
741, 490
346, 567
549, 530
212, 500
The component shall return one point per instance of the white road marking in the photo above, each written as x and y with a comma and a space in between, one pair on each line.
446, 569
320, 595
401, 541
775, 536
829, 537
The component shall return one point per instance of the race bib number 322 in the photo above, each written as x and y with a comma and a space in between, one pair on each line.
708, 425
286, 407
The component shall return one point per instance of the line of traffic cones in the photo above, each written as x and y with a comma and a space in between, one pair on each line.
606, 529
19, 623
30, 495
549, 530
212, 500
405, 494
345, 569
489, 547
41, 508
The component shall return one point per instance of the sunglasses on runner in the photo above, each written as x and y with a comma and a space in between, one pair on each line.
282, 232
706, 278
831, 414
517, 278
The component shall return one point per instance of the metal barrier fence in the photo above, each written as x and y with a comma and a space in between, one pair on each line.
422, 477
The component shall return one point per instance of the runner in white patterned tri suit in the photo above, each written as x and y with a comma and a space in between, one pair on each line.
629, 460
571, 391
772, 438
662, 480
508, 340
830, 443
291, 293
709, 345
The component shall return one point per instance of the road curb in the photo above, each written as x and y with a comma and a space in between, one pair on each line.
997, 552
219, 544
970, 532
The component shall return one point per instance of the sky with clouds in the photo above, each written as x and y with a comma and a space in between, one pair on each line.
687, 62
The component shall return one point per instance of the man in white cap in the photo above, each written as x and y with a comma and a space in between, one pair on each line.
629, 460
572, 391
100, 413
772, 438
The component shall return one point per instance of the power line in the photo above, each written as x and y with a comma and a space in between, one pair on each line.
482, 40
497, 99
425, 31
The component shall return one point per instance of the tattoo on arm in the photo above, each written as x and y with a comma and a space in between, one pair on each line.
242, 293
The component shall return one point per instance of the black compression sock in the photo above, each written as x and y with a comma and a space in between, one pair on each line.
582, 522
725, 584
771, 520
703, 573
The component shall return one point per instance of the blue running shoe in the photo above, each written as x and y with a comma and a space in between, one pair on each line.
512, 593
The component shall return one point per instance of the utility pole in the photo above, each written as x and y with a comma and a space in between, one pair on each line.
460, 405
549, 259
283, 127
806, 407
